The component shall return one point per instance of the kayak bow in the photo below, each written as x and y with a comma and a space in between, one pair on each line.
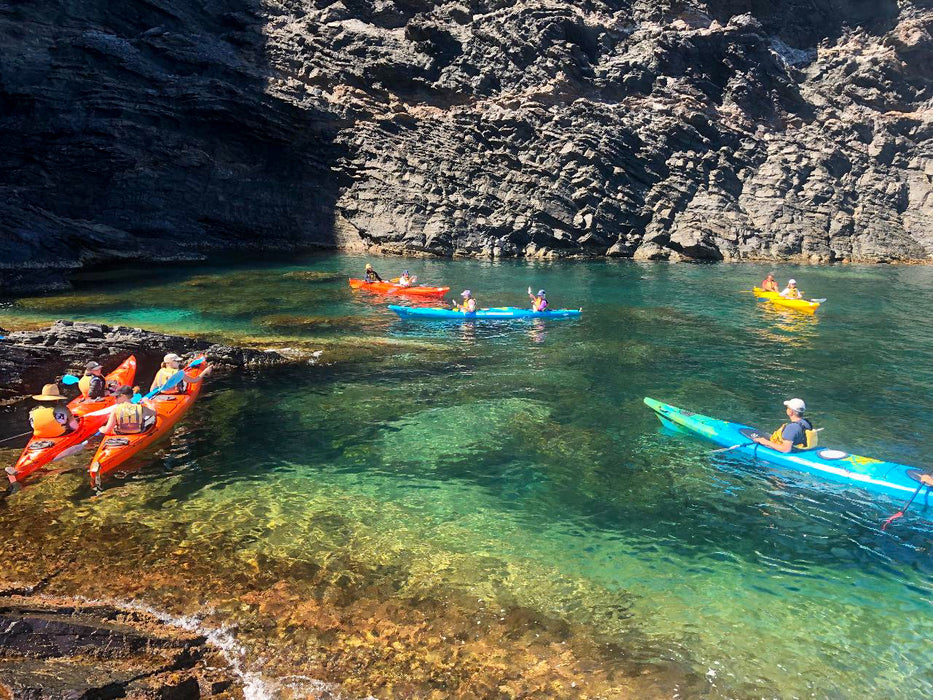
875, 475
500, 313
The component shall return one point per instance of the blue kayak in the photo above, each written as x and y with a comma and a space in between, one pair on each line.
889, 478
502, 312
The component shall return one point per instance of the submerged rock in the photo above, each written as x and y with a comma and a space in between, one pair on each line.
29, 359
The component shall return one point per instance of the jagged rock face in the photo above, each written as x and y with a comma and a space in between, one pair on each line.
662, 129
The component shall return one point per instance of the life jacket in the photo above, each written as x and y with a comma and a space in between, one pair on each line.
811, 435
92, 386
44, 423
539, 304
129, 418
468, 306
371, 276
163, 375
404, 281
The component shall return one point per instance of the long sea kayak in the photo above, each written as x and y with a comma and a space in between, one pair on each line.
496, 313
114, 450
40, 451
804, 305
889, 478
393, 289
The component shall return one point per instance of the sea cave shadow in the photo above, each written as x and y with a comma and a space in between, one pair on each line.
147, 132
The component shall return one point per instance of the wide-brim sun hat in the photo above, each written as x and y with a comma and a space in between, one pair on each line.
50, 392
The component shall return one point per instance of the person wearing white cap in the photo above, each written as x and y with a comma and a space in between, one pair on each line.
791, 291
171, 363
799, 433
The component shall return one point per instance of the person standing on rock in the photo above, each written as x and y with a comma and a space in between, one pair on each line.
50, 421
769, 284
371, 274
791, 291
171, 364
92, 385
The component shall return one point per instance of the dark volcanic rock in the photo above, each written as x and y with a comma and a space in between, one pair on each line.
29, 359
83, 650
653, 129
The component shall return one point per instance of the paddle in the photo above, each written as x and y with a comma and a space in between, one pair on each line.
900, 513
13, 437
734, 447
818, 301
70, 379
170, 383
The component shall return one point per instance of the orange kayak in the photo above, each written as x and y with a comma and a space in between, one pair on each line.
390, 288
40, 451
114, 450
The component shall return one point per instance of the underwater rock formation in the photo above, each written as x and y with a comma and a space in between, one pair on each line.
654, 129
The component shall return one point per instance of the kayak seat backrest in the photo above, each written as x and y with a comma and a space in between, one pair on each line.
813, 439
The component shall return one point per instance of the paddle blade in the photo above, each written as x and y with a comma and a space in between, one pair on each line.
198, 362
70, 379
136, 398
898, 514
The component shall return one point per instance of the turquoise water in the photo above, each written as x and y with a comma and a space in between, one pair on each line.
514, 465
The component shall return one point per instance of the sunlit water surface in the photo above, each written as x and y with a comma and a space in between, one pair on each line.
510, 472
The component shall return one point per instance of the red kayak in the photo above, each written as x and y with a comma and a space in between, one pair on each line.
40, 451
391, 288
114, 450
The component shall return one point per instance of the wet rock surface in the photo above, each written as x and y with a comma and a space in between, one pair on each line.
29, 359
654, 130
71, 649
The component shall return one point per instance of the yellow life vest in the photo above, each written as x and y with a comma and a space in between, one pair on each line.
84, 385
812, 437
539, 304
163, 375
129, 418
44, 423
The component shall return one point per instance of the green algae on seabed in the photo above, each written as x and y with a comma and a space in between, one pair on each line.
489, 510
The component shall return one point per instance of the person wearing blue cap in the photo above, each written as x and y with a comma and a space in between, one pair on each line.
539, 302
469, 303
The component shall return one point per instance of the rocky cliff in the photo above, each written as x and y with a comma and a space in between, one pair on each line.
730, 129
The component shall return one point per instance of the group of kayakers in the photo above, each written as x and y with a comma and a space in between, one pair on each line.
769, 284
539, 302
53, 418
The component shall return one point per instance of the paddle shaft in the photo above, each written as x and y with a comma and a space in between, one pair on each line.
13, 437
900, 513
734, 447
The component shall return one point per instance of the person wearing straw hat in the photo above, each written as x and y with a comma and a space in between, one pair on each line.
53, 418
93, 385
171, 363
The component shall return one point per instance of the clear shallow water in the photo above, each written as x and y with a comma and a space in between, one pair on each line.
469, 470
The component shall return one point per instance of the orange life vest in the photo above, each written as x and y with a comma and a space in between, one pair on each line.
44, 422
129, 418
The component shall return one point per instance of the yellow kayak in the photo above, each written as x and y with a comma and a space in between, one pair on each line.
807, 307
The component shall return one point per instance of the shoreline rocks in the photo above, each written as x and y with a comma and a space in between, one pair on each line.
29, 359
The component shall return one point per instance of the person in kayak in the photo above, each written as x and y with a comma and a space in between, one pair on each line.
171, 363
769, 284
55, 420
539, 302
371, 274
92, 385
128, 418
469, 303
406, 280
798, 434
791, 291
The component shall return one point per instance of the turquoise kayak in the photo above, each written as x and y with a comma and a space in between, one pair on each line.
889, 478
500, 313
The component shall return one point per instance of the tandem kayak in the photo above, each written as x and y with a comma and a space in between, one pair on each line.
40, 451
497, 313
889, 478
115, 449
804, 305
390, 288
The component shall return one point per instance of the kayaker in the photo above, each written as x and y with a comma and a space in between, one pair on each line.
791, 291
769, 284
128, 418
797, 434
371, 274
92, 385
539, 302
469, 303
52, 421
171, 363
406, 280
